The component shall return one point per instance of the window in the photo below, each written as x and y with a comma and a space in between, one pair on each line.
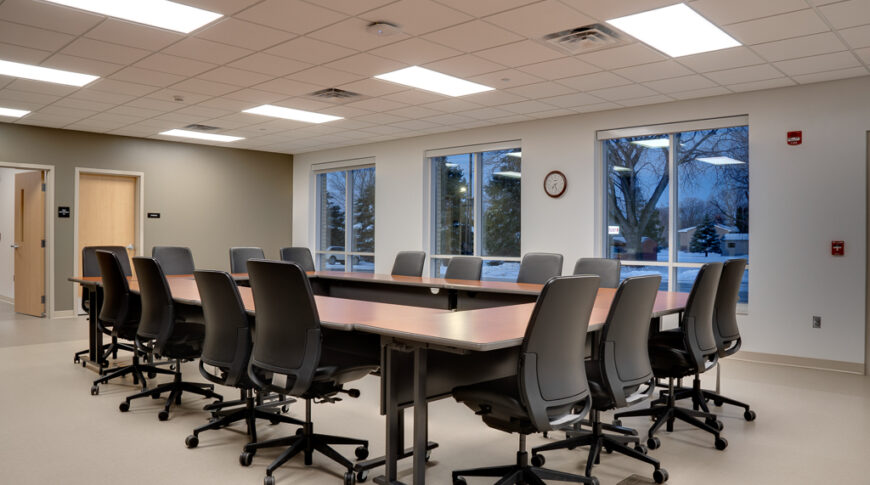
476, 208
346, 238
677, 196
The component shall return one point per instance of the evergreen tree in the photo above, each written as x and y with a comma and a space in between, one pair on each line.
364, 210
335, 220
705, 240
501, 216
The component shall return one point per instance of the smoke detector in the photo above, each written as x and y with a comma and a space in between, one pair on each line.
383, 29
584, 39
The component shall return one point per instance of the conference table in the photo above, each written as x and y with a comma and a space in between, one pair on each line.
424, 351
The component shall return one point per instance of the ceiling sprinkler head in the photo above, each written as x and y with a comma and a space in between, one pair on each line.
179, 98
383, 29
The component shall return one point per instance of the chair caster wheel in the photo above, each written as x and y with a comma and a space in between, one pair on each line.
246, 458
353, 393
594, 481
163, 415
717, 402
362, 476
349, 478
284, 409
660, 475
749, 415
715, 424
299, 431
84, 364
76, 359
641, 449
721, 443
274, 421
459, 481
538, 460
95, 389
654, 443
617, 422
191, 441
124, 406
155, 396
152, 375
269, 480
361, 452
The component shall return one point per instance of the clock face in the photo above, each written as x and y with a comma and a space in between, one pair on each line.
554, 183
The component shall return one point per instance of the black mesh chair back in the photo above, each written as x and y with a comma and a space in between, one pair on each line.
697, 321
158, 310
300, 256
174, 260
464, 268
607, 269
90, 265
228, 341
287, 336
239, 258
119, 305
409, 263
537, 268
725, 313
623, 352
552, 373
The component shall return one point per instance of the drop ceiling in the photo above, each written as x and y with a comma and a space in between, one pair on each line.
281, 51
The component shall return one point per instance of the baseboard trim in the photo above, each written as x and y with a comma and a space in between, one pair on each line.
64, 314
7, 299
805, 362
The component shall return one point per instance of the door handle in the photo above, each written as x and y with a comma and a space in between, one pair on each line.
14, 246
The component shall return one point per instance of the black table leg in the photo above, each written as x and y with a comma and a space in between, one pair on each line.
421, 416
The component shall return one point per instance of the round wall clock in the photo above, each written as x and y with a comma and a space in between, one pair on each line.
555, 184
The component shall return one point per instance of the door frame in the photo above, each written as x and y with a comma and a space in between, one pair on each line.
867, 261
49, 228
140, 217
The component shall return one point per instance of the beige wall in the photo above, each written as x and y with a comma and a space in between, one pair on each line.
210, 198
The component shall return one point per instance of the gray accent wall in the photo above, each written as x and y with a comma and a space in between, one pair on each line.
210, 198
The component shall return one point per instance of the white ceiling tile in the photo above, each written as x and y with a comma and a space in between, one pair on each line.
377, 104
188, 98
416, 17
415, 97
701, 93
414, 112
656, 99
102, 96
415, 51
611, 9
847, 14
822, 2
473, 36
120, 87
745, 74
269, 64
380, 118
759, 85
525, 107
35, 119
732, 11
32, 37
653, 71
113, 119
84, 104
27, 97
597, 80
464, 66
722, 59
155, 104
80, 64
104, 51
64, 112
831, 75
226, 7
785, 26
481, 8
306, 103
204, 112
347, 124
448, 119
857, 37
824, 62
677, 84
559, 68
541, 90
624, 56
486, 113
350, 7
520, 53
539, 19
174, 65
236, 77
291, 15
47, 16
17, 53
130, 130
92, 126
373, 87
134, 111
864, 54
352, 33
207, 88
800, 47
310, 50
492, 98
589, 108
623, 92
133, 35
243, 34
385, 130
366, 65
324, 76
505, 79
40, 87
515, 118
288, 87
146, 76
455, 105
206, 51
553, 113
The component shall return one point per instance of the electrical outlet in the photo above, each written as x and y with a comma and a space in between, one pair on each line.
817, 321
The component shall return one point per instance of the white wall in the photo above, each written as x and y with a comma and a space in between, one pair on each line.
801, 198
7, 231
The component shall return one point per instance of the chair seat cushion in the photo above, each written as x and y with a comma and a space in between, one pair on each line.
498, 402
668, 354
186, 341
602, 400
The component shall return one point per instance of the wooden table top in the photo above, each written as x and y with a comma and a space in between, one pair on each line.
442, 283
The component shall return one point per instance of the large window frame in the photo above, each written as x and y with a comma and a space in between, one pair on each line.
347, 255
673, 266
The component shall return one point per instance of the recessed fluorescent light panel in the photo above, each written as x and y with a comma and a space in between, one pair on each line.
676, 30
719, 161
157, 13
27, 71
422, 78
291, 114
13, 113
655, 143
202, 136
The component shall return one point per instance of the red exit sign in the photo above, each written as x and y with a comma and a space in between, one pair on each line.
794, 137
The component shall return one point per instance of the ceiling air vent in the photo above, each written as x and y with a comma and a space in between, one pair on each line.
197, 127
334, 94
584, 39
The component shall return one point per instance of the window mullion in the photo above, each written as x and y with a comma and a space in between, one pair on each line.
478, 202
348, 215
673, 243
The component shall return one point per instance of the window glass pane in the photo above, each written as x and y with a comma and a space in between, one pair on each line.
501, 202
363, 214
500, 270
637, 198
629, 271
713, 194
453, 199
362, 264
331, 187
438, 267
331, 262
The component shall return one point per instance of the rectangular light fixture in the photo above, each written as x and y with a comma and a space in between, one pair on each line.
291, 114
37, 73
422, 78
157, 13
13, 113
654, 143
720, 160
202, 136
513, 175
676, 30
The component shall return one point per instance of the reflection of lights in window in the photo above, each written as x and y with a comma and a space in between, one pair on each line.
451, 165
655, 143
619, 168
515, 154
513, 175
462, 189
720, 160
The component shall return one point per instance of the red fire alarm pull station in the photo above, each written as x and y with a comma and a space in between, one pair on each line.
794, 137
838, 248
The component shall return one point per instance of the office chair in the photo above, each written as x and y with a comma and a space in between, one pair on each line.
163, 335
550, 389
239, 258
90, 267
684, 351
607, 269
122, 310
227, 350
464, 268
174, 260
409, 263
539, 267
299, 255
290, 357
616, 373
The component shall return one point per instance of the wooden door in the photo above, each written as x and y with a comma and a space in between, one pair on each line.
107, 212
29, 243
